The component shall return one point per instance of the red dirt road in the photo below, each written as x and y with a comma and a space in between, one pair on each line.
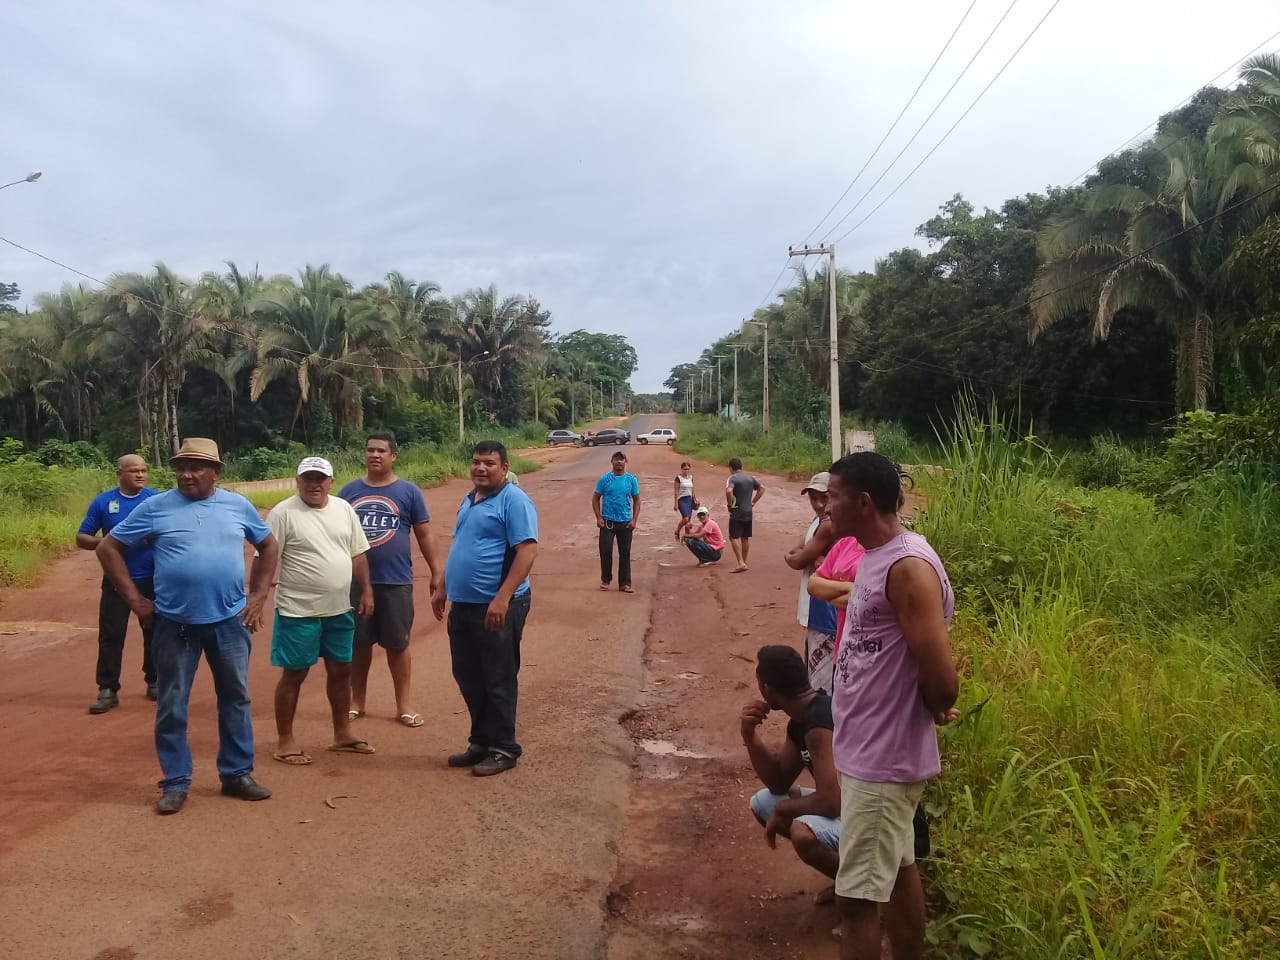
592, 847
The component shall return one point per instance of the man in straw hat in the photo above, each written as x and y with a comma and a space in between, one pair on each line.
197, 533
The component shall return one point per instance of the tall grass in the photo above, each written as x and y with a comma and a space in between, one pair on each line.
1111, 791
40, 510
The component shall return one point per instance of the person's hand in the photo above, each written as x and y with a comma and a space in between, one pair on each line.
364, 608
753, 715
676, 507
253, 611
946, 716
145, 610
438, 600
600, 522
631, 524
496, 615
774, 826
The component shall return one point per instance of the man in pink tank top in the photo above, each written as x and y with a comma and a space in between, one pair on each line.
894, 680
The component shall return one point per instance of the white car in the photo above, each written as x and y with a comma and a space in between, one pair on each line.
661, 435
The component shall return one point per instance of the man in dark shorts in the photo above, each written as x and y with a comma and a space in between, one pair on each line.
742, 492
808, 817
495, 541
388, 508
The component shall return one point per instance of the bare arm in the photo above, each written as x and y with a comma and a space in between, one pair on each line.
595, 508
261, 574
87, 541
825, 800
521, 566
110, 553
916, 595
427, 547
360, 576
835, 592
635, 511
808, 554
755, 497
777, 769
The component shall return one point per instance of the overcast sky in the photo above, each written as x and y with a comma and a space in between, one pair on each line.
639, 168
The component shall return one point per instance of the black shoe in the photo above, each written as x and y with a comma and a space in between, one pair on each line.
246, 788
469, 757
495, 762
107, 700
153, 693
171, 801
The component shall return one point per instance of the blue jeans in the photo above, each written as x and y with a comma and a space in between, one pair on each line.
177, 650
704, 551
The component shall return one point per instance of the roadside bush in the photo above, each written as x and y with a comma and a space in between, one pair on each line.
78, 453
263, 463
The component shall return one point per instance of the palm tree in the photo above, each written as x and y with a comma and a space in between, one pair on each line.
148, 318
541, 387
493, 333
1159, 246
1251, 117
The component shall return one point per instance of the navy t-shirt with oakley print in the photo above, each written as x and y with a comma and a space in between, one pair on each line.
387, 513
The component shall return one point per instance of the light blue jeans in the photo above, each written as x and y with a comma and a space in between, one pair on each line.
826, 829
177, 650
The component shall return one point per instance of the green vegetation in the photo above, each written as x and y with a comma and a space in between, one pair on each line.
261, 363
1110, 792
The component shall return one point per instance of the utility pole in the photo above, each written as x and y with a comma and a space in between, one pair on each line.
764, 386
719, 387
735, 347
830, 252
462, 429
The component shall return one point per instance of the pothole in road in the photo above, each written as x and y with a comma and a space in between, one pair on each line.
665, 748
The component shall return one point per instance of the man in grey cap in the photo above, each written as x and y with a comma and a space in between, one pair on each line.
197, 532
817, 617
322, 550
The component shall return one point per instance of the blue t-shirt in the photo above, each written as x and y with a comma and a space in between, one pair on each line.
616, 492
199, 551
387, 513
105, 511
484, 542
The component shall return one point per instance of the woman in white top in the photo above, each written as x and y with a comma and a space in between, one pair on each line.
684, 500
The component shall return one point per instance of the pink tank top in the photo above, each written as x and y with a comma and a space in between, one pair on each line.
883, 731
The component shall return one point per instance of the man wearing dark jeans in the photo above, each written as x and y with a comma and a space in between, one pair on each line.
616, 503
105, 511
495, 541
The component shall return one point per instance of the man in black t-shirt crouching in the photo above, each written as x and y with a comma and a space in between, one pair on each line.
808, 817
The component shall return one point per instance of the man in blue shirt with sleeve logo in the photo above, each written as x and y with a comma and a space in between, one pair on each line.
105, 511
495, 541
198, 534
616, 503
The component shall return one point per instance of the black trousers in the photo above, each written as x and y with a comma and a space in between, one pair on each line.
615, 529
113, 624
486, 666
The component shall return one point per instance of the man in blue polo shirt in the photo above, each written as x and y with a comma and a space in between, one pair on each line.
495, 541
105, 511
616, 504
198, 533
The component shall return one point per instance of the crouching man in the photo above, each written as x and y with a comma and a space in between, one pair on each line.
808, 816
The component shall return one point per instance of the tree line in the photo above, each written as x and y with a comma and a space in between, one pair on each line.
1151, 288
258, 361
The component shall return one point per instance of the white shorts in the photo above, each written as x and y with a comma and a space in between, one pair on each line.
877, 838
819, 658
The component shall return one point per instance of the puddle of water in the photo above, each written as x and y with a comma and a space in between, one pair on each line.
688, 675
665, 748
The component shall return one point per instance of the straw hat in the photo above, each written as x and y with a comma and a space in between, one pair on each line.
197, 448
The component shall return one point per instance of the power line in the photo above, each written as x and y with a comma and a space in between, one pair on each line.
951, 129
893, 126
924, 123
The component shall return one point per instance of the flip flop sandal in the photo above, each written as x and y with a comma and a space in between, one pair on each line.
354, 714
627, 589
352, 746
296, 759
411, 719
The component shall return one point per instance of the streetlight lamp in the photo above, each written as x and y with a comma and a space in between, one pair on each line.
31, 177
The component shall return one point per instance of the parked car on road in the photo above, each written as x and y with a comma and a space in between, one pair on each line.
607, 435
660, 435
557, 437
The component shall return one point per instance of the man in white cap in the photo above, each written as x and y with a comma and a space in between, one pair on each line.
197, 533
322, 550
817, 617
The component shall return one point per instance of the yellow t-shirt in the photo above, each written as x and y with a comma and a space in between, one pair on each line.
316, 548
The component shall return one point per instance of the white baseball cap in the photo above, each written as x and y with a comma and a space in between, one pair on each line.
315, 465
703, 510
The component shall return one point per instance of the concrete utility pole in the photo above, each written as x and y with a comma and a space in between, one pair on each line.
830, 252
764, 386
719, 387
462, 427
736, 347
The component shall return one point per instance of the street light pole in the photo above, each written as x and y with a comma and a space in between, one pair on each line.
462, 428
764, 387
719, 387
31, 177
830, 252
